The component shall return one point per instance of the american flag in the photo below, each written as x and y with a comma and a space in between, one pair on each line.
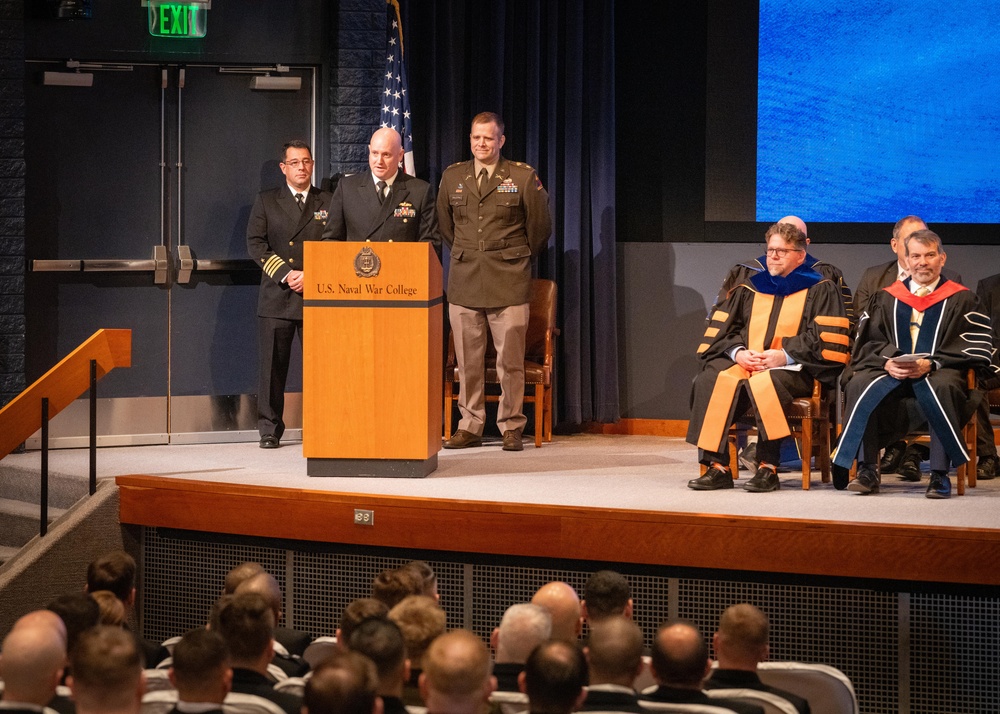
395, 99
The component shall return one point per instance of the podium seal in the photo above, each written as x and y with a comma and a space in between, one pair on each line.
366, 263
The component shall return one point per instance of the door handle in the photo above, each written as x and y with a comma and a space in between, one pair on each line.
159, 265
187, 263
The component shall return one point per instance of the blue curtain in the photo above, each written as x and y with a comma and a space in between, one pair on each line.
548, 69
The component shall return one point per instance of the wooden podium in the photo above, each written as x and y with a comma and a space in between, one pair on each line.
372, 359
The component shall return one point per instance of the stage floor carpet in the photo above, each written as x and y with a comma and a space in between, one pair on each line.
588, 496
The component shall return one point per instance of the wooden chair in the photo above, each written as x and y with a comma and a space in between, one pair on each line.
809, 421
539, 362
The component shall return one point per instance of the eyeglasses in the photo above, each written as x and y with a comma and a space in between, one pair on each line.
782, 252
295, 163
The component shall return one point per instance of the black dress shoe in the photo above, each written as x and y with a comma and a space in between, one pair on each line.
766, 479
909, 467
512, 440
867, 481
988, 468
463, 439
270, 441
841, 477
891, 458
713, 480
940, 485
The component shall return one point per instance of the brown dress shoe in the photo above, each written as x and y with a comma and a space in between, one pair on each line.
463, 439
512, 440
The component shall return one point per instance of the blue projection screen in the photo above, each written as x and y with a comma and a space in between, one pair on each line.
869, 110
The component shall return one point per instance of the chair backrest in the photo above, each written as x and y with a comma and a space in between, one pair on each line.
169, 643
292, 685
770, 703
541, 321
319, 649
694, 708
826, 688
509, 702
158, 680
159, 702
236, 703
276, 672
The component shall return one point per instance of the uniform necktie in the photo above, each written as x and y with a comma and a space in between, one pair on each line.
484, 181
300, 201
381, 190
917, 317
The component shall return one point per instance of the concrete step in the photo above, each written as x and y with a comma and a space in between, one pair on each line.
7, 552
19, 521
24, 484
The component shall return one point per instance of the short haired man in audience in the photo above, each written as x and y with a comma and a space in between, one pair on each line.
740, 644
106, 667
115, 571
345, 683
294, 642
898, 457
242, 572
749, 355
380, 640
356, 612
392, 585
911, 354
421, 620
606, 594
201, 672
456, 677
246, 623
32, 662
680, 666
523, 627
563, 605
78, 611
555, 678
614, 653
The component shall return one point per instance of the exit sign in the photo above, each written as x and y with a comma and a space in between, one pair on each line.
178, 19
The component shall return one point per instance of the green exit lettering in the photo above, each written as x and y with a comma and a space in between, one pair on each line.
177, 19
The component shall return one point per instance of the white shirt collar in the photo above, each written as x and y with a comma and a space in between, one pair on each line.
305, 193
388, 182
610, 688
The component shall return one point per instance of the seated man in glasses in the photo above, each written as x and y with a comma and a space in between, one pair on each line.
915, 343
764, 345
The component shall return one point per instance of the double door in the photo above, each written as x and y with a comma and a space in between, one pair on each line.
138, 191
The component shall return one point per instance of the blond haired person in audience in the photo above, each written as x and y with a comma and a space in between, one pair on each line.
107, 677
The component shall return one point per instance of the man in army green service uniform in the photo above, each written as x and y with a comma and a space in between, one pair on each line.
494, 216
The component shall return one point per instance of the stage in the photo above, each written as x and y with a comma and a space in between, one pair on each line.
584, 497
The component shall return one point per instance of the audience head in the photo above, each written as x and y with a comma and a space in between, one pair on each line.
391, 586
113, 571
344, 683
427, 576
901, 231
554, 678
264, 584
786, 249
563, 605
355, 613
614, 651
420, 620
236, 576
201, 671
741, 641
43, 618
79, 612
925, 256
32, 660
798, 223
246, 623
217, 607
106, 667
680, 656
380, 640
111, 608
456, 678
523, 627
606, 594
